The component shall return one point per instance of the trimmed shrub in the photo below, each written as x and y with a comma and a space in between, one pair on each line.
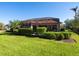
48, 36
41, 30
66, 35
25, 31
59, 36
68, 30
56, 35
15, 31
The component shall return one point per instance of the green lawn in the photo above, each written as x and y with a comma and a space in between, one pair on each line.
32, 46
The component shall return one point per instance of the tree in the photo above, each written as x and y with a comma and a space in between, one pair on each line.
68, 23
15, 24
75, 10
73, 24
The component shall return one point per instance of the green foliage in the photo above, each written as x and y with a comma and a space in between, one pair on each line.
56, 35
15, 32
48, 35
25, 31
73, 24
59, 36
14, 24
69, 23
41, 29
67, 35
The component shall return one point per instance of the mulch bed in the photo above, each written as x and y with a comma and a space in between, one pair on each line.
69, 40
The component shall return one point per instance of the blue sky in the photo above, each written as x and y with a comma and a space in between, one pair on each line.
26, 10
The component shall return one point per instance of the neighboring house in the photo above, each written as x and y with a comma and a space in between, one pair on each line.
7, 27
52, 24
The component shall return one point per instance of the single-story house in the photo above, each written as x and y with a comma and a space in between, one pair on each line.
52, 24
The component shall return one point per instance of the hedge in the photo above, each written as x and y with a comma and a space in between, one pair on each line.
29, 31
67, 35
56, 35
41, 30
48, 36
25, 31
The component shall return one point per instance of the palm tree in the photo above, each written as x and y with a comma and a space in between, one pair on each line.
15, 24
75, 10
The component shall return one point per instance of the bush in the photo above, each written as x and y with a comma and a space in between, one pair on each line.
68, 30
25, 31
48, 35
56, 35
15, 31
41, 30
59, 36
67, 35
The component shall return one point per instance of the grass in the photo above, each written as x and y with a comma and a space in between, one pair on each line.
14, 45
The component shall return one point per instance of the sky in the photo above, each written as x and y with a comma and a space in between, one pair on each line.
27, 10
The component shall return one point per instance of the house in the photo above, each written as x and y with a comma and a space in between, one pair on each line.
52, 24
